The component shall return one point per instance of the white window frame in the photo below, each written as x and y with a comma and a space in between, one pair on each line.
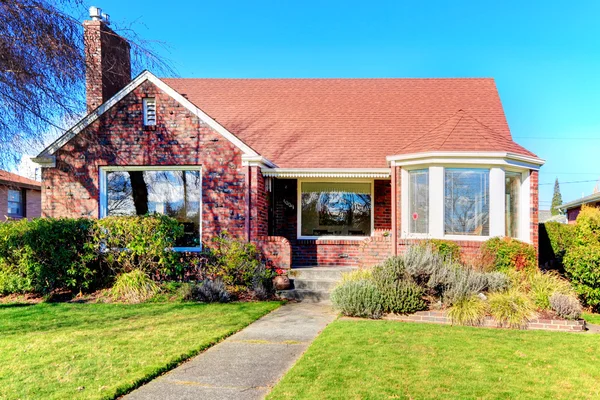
103, 194
145, 102
437, 195
327, 237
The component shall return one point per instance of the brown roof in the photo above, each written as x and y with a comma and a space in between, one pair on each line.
354, 123
8, 178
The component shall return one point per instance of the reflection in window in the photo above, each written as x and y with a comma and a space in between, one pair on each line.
466, 202
512, 186
15, 203
173, 193
335, 209
418, 201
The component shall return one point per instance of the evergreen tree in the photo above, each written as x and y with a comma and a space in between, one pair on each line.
556, 199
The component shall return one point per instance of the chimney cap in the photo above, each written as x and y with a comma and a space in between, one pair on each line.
95, 13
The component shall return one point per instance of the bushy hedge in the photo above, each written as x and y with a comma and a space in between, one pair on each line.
446, 249
359, 298
507, 254
582, 260
46, 254
555, 240
139, 243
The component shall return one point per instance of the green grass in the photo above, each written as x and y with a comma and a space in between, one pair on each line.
591, 318
385, 359
96, 351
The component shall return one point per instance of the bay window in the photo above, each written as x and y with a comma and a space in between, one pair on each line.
335, 209
511, 204
418, 201
466, 202
169, 191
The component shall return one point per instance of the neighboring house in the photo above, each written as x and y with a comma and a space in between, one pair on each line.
20, 197
546, 216
573, 208
315, 171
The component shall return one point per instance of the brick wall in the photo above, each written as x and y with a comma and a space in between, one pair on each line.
534, 216
259, 204
382, 206
118, 137
276, 251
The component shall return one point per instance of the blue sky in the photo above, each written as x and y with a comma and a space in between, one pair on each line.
544, 55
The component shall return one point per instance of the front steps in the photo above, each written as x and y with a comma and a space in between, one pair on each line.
313, 284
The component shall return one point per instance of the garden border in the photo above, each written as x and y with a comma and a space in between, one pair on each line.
441, 317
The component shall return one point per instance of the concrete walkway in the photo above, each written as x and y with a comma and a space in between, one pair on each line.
248, 364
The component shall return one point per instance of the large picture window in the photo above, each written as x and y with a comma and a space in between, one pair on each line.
466, 202
418, 201
170, 192
335, 208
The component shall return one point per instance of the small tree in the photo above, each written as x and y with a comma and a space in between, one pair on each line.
556, 199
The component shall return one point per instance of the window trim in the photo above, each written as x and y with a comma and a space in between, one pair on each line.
342, 180
103, 195
436, 202
408, 192
21, 203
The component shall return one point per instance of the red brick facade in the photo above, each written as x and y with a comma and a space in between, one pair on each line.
119, 138
534, 212
32, 202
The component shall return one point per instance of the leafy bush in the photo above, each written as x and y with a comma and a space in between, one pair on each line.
555, 240
421, 262
357, 275
210, 292
582, 260
234, 261
542, 285
497, 281
399, 293
134, 287
469, 310
507, 254
139, 243
511, 308
566, 306
446, 249
462, 283
358, 299
47, 254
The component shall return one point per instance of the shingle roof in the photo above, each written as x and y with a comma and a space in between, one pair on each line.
354, 123
17, 180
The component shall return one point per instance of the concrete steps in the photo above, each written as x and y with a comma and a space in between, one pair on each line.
313, 284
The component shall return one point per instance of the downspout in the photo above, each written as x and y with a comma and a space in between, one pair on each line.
248, 194
394, 209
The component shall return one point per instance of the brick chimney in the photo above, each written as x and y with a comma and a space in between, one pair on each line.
107, 59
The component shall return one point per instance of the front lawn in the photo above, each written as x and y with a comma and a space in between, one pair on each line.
94, 351
384, 359
591, 318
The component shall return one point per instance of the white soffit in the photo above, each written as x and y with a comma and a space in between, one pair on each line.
379, 173
467, 158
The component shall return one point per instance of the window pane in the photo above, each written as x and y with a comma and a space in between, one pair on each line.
418, 203
335, 209
512, 187
15, 206
466, 202
173, 193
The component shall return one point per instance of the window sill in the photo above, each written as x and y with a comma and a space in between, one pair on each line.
332, 238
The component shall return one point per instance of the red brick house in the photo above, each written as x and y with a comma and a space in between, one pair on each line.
20, 197
572, 208
315, 171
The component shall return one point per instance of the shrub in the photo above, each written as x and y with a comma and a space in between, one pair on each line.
469, 310
421, 262
446, 249
555, 240
139, 243
48, 254
358, 299
134, 287
210, 292
463, 283
507, 254
582, 260
566, 306
497, 281
511, 308
234, 261
542, 285
357, 275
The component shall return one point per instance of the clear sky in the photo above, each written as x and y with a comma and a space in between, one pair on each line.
544, 55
